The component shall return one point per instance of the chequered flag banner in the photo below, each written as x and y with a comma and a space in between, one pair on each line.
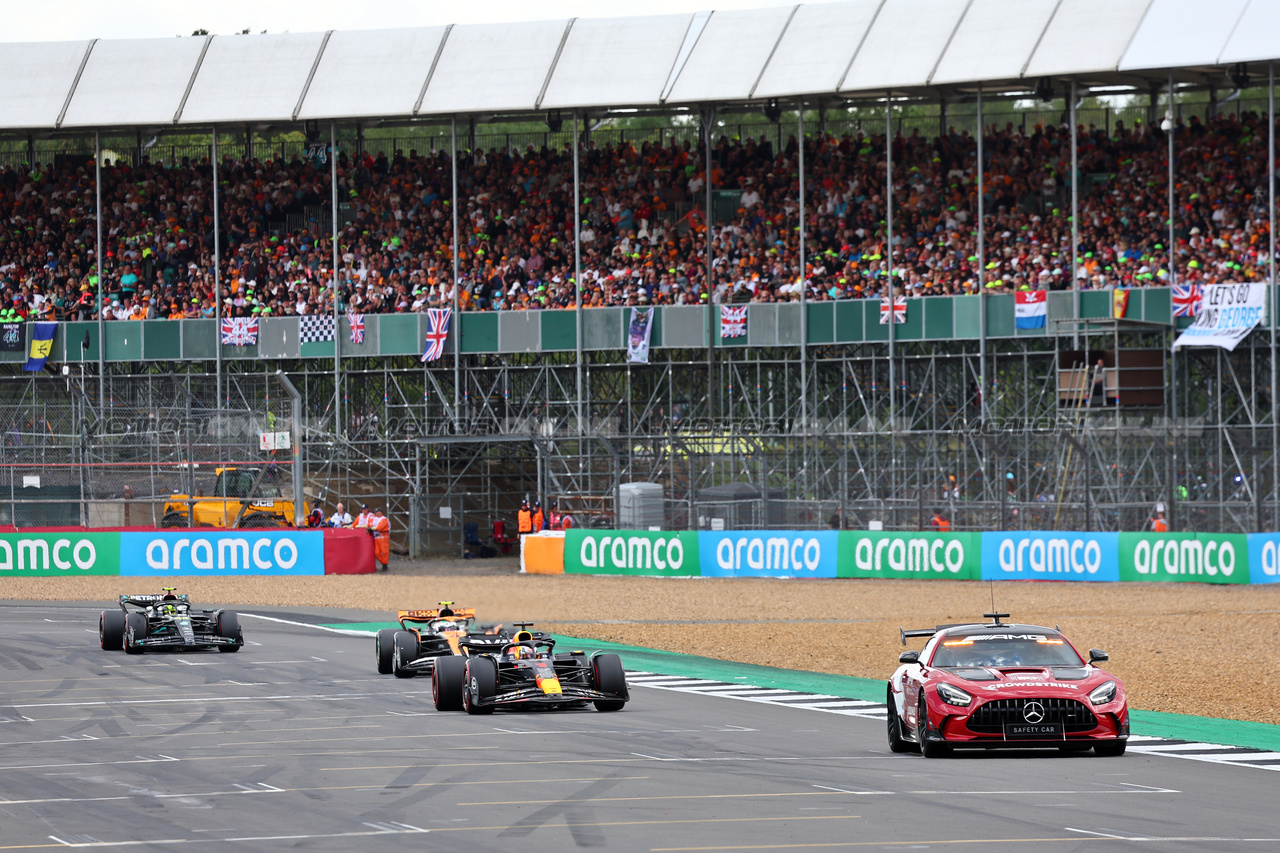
316, 327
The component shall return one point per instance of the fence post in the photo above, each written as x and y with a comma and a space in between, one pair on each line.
296, 415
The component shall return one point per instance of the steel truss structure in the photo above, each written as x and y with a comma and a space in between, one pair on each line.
811, 430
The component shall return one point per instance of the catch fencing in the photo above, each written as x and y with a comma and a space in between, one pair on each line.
88, 454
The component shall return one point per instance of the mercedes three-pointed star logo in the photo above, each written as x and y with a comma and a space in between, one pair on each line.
1033, 712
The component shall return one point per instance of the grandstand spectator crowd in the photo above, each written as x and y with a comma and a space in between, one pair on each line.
642, 219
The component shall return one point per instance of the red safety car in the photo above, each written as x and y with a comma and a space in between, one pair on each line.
1003, 685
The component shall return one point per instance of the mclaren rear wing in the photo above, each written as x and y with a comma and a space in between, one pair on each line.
428, 615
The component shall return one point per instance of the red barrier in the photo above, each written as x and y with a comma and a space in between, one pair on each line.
9, 528
348, 552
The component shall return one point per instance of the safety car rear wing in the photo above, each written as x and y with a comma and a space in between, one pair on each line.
929, 632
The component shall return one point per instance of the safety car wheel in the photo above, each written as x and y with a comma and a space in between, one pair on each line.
447, 683
111, 630
1110, 749
405, 650
229, 627
607, 672
174, 519
928, 749
384, 647
480, 681
897, 743
135, 629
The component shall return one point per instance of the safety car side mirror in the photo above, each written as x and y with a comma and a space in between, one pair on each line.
1098, 656
909, 657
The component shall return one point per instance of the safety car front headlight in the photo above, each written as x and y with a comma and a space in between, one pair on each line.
1103, 694
953, 695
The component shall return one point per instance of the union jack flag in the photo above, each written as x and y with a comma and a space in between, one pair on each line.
899, 311
356, 321
240, 331
733, 321
1187, 300
437, 332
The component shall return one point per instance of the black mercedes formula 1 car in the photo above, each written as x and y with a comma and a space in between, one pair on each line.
425, 635
167, 621
525, 671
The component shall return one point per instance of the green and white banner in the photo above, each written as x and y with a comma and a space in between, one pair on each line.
630, 552
910, 555
51, 554
1199, 557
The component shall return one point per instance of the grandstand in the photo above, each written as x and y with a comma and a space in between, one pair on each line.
949, 173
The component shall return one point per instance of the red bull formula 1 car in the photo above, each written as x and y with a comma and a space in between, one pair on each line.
525, 671
424, 636
1001, 685
167, 621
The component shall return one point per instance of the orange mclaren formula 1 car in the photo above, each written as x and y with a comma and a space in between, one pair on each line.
425, 635
524, 671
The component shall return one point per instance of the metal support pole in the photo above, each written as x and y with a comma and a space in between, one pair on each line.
1075, 222
1271, 276
709, 117
97, 186
1173, 261
337, 337
299, 517
804, 326
217, 283
577, 273
982, 273
453, 208
888, 250
1173, 359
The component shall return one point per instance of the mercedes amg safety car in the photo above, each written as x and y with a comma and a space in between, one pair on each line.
424, 636
525, 671
167, 621
1003, 685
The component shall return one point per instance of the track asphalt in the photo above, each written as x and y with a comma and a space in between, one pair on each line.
296, 742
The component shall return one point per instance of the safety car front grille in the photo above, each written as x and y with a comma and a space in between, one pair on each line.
991, 717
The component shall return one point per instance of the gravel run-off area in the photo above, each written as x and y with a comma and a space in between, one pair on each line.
1180, 647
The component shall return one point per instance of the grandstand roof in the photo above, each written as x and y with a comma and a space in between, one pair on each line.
857, 48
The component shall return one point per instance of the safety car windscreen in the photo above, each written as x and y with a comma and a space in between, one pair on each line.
1005, 650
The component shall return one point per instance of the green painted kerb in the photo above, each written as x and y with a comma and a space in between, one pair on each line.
1150, 723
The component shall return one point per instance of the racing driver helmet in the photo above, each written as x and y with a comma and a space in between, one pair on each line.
519, 651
